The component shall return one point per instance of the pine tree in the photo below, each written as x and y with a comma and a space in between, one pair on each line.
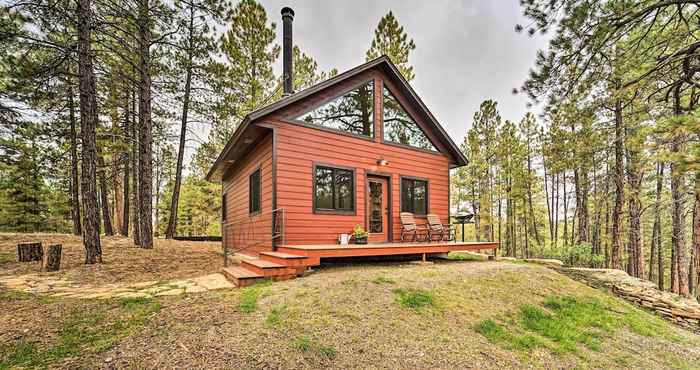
391, 40
193, 52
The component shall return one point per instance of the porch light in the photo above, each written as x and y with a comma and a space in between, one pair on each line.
382, 162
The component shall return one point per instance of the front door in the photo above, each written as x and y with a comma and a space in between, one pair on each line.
377, 209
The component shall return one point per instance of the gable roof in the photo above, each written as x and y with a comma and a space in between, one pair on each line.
384, 62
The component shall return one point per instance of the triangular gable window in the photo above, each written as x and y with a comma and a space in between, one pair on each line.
352, 112
399, 127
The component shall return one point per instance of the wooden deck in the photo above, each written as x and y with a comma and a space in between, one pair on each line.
290, 261
383, 249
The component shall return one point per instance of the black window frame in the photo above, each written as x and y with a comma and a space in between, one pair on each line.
255, 199
353, 193
411, 207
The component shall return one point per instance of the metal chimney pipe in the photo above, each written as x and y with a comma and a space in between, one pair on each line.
287, 63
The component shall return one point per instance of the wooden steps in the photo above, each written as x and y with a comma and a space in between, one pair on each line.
241, 276
270, 265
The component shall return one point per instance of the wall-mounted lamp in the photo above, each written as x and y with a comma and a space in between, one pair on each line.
382, 162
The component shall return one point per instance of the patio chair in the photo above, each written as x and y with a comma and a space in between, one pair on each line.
409, 227
437, 229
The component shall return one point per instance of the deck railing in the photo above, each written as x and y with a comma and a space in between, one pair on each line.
265, 229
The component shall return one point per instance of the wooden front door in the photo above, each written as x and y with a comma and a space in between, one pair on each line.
377, 209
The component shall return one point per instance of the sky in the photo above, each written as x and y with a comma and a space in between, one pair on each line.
466, 51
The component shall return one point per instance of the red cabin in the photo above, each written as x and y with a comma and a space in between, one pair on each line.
356, 149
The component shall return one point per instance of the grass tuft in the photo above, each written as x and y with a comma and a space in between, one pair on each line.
327, 351
274, 318
564, 323
250, 295
16, 295
383, 280
302, 343
91, 330
414, 298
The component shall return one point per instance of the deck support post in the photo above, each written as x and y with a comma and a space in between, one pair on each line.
424, 258
225, 255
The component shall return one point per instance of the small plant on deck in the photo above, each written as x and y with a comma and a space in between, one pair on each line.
360, 235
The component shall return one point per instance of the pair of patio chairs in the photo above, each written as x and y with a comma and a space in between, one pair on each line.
433, 230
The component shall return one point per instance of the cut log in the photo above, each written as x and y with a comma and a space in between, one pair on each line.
52, 258
27, 252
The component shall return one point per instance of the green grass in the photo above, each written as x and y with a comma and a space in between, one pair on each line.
6, 258
274, 318
16, 295
496, 333
414, 298
466, 256
251, 294
304, 344
90, 330
383, 280
562, 324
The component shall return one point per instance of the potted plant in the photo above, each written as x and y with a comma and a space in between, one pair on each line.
360, 235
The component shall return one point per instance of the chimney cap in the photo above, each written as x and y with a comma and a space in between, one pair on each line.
287, 12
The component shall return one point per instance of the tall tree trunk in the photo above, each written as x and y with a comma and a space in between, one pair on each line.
475, 211
583, 221
566, 212
696, 235
126, 159
656, 250
530, 207
678, 215
555, 194
145, 127
616, 253
117, 179
595, 237
88, 124
550, 217
607, 217
74, 181
136, 221
172, 221
634, 206
104, 197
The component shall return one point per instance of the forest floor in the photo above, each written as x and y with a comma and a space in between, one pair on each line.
450, 314
122, 261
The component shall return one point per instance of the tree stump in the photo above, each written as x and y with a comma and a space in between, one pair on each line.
27, 252
52, 258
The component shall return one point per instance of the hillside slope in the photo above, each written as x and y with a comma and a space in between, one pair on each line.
486, 315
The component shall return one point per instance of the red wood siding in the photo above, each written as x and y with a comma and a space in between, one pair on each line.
241, 229
299, 147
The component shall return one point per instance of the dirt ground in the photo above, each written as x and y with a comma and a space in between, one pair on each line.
123, 262
337, 317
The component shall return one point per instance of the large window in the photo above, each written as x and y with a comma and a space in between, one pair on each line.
254, 192
334, 190
352, 112
399, 127
414, 196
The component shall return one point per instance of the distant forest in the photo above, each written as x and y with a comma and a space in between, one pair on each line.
99, 101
